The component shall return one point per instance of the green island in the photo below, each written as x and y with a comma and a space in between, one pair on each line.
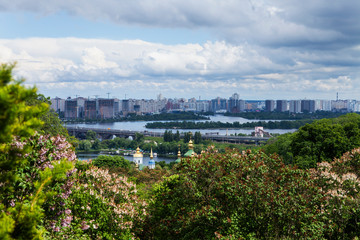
150, 117
295, 124
301, 185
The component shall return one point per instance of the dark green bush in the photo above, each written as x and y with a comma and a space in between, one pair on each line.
111, 162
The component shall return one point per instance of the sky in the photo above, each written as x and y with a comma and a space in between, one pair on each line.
260, 49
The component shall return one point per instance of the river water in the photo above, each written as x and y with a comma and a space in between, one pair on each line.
140, 126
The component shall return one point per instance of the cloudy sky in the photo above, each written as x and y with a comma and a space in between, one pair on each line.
261, 49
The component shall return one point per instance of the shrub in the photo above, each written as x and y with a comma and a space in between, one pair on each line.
112, 162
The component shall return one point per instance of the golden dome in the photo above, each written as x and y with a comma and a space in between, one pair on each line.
138, 154
191, 145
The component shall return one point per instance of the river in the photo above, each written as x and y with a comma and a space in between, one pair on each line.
140, 126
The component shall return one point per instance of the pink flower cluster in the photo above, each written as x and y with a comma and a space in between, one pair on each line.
109, 187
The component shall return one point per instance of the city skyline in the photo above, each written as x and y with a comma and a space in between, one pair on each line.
105, 108
260, 49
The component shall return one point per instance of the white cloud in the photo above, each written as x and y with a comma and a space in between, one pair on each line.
214, 68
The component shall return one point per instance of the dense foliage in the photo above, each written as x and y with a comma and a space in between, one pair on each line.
104, 206
322, 140
255, 196
17, 120
234, 196
339, 184
112, 162
218, 125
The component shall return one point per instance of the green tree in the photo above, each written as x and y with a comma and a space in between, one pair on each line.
84, 145
139, 138
321, 140
90, 135
168, 136
187, 137
317, 142
281, 146
18, 120
51, 122
197, 138
177, 136
96, 144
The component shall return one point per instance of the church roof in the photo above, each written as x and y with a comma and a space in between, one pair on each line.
190, 153
138, 154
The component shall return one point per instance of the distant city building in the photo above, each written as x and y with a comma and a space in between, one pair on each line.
219, 105
202, 106
90, 109
308, 106
281, 106
58, 105
106, 108
326, 105
295, 106
339, 105
269, 105
74, 108
235, 105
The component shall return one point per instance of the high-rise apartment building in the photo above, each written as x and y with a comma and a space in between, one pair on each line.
308, 106
90, 109
106, 108
74, 108
281, 106
295, 106
269, 105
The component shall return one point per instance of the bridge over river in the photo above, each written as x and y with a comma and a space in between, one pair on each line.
108, 133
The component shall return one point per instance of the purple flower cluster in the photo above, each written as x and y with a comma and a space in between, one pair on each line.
84, 225
65, 222
46, 152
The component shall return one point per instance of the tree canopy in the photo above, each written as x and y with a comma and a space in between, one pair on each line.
322, 140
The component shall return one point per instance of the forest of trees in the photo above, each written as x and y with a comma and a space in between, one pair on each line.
303, 185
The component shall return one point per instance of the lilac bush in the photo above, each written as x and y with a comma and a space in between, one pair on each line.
105, 205
51, 158
339, 182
